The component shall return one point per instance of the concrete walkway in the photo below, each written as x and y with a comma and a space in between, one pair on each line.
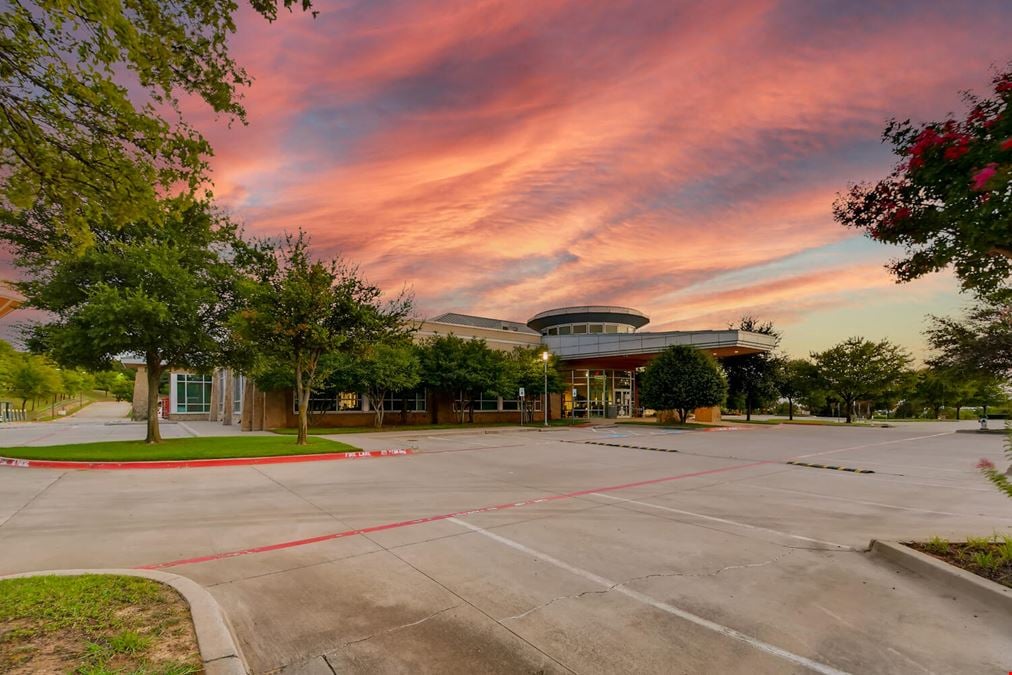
521, 552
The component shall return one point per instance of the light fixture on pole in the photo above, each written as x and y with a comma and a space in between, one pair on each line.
544, 359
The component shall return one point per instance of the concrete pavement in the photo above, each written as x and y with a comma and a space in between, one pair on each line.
527, 551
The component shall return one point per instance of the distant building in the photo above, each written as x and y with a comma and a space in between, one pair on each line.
601, 351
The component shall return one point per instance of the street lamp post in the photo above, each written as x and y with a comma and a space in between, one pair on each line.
544, 359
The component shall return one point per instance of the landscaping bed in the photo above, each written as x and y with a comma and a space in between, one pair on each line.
988, 557
216, 447
95, 624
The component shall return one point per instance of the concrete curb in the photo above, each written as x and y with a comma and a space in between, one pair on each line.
966, 583
219, 650
199, 463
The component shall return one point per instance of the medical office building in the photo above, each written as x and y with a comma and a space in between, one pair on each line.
601, 352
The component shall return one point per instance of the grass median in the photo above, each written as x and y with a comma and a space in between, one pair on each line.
334, 431
93, 624
214, 447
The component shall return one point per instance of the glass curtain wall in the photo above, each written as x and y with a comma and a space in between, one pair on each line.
598, 393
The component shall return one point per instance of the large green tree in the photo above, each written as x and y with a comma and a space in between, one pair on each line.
858, 369
682, 378
752, 378
980, 341
298, 310
33, 377
948, 200
384, 368
159, 288
90, 121
462, 369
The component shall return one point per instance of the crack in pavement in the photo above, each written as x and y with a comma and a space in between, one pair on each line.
401, 627
577, 596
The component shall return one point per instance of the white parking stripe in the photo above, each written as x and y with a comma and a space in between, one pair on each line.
873, 445
724, 520
726, 631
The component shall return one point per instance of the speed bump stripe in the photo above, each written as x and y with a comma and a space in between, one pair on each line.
828, 466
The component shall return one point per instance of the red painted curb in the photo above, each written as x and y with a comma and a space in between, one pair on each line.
197, 463
443, 516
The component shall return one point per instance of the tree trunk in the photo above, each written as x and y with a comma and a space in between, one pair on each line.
849, 404
958, 408
302, 391
683, 415
748, 409
154, 370
790, 408
376, 401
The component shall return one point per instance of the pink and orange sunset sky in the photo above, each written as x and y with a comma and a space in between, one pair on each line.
504, 157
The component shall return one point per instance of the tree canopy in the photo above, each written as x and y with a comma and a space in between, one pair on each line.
297, 310
948, 200
90, 121
752, 378
980, 341
858, 369
462, 369
160, 288
682, 378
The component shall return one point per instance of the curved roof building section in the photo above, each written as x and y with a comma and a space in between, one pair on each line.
588, 314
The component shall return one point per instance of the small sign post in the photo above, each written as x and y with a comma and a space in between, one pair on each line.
523, 409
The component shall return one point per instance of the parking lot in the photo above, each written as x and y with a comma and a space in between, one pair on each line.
556, 551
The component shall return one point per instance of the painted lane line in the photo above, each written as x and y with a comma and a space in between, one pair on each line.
444, 516
872, 445
888, 506
199, 463
645, 599
729, 522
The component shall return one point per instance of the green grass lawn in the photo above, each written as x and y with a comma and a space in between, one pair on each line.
329, 431
93, 624
214, 447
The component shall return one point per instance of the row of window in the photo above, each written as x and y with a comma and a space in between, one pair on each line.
582, 328
193, 395
413, 401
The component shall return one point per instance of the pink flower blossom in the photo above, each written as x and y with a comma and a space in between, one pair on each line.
956, 151
985, 465
982, 176
1006, 144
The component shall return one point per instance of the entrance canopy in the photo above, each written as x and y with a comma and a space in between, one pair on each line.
632, 350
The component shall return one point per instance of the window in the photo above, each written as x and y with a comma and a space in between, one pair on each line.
553, 331
328, 402
238, 385
412, 401
611, 329
596, 328
193, 393
565, 330
515, 403
482, 402
581, 328
348, 400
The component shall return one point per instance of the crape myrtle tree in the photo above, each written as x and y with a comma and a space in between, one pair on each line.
859, 369
682, 378
948, 200
299, 310
160, 288
90, 121
383, 368
461, 369
752, 378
